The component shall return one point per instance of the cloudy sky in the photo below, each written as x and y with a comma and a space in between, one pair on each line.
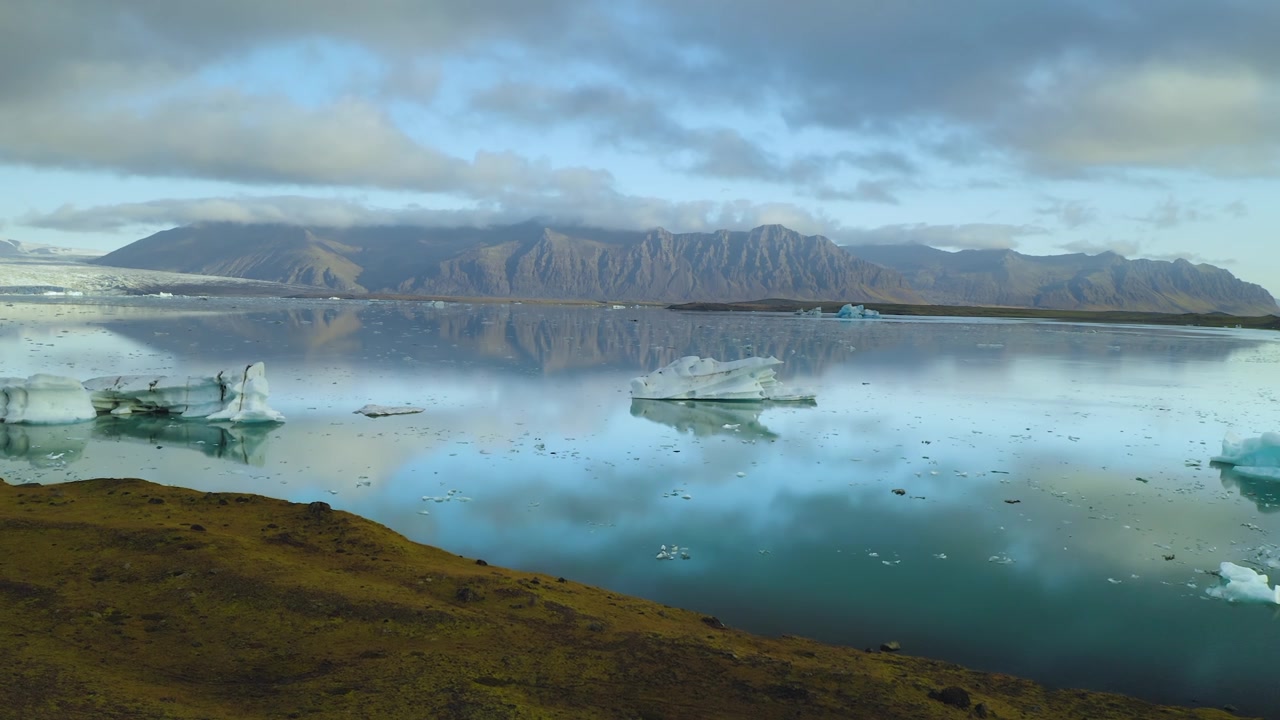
1148, 128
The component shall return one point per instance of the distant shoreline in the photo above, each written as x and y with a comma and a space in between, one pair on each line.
1261, 322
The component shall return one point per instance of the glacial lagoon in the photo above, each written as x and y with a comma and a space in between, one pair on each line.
1057, 508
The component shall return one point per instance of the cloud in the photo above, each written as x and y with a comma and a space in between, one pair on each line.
622, 119
1236, 209
1172, 213
864, 191
1123, 248
606, 209
972, 236
1070, 214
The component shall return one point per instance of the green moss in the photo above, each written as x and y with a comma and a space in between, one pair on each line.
115, 607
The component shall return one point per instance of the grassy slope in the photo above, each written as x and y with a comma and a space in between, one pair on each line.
1267, 322
126, 599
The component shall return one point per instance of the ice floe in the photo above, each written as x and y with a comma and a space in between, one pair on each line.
238, 396
384, 410
695, 378
849, 311
1256, 457
1242, 584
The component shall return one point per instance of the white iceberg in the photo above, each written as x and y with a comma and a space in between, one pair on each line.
44, 400
812, 312
1241, 584
235, 397
849, 311
1257, 457
695, 378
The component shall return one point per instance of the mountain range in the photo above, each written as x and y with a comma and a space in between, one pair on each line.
1076, 281
530, 260
526, 261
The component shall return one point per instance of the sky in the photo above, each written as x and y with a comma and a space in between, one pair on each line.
1151, 129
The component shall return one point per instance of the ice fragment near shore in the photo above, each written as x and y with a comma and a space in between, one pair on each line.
1257, 457
695, 378
44, 400
1241, 584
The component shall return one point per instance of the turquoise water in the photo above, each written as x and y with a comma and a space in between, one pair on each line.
1102, 434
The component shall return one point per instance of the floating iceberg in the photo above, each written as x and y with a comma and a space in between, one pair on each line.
695, 378
44, 400
856, 311
1257, 458
372, 410
813, 312
1241, 584
236, 397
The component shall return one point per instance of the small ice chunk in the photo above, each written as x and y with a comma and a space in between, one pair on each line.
1242, 584
372, 410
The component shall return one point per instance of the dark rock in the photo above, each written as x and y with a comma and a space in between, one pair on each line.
319, 509
953, 696
980, 710
596, 627
197, 528
482, 563
466, 594
899, 491
1013, 502
713, 622
560, 579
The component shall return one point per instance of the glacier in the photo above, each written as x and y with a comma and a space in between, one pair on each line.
238, 396
695, 378
1257, 457
1241, 584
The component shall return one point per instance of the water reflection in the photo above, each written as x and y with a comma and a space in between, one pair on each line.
52, 446
244, 444
702, 419
1263, 493
45, 446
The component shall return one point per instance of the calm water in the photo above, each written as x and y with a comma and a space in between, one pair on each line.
1101, 433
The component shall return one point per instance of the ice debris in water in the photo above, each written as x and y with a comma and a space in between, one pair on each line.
1257, 457
1242, 584
665, 553
237, 396
695, 378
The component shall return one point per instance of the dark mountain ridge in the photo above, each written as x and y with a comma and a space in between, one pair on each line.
527, 260
1077, 281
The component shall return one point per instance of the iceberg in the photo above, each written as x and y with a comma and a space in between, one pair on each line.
850, 311
44, 400
234, 397
1257, 458
1241, 584
695, 378
812, 312
374, 411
